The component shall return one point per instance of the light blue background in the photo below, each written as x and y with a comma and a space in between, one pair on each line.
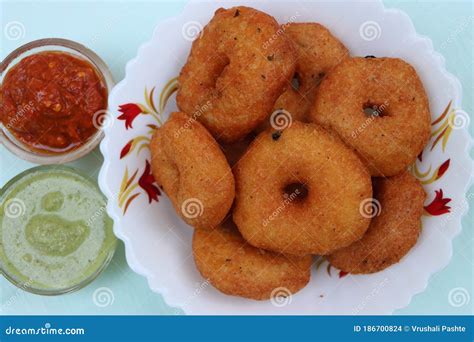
115, 30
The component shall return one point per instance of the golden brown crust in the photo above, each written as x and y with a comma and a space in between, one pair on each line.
236, 70
318, 51
388, 143
190, 167
328, 218
236, 268
392, 233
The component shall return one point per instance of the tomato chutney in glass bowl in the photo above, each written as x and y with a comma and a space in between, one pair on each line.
53, 101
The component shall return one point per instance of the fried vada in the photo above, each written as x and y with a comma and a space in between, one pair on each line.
393, 231
236, 70
379, 107
298, 191
189, 165
318, 51
236, 268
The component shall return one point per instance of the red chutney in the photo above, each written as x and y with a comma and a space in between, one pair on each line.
48, 101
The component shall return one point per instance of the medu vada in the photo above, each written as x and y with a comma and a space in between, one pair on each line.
298, 191
236, 70
236, 268
393, 231
317, 51
379, 107
189, 165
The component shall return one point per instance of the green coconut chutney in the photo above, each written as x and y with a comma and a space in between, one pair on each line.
55, 234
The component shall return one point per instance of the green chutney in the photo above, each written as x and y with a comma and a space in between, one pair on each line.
55, 235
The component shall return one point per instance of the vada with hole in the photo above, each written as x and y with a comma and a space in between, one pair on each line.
298, 192
378, 106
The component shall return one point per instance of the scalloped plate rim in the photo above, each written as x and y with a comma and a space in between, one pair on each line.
113, 211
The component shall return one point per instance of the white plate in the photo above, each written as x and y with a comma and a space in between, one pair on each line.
158, 243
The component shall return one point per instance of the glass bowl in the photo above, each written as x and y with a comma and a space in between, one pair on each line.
13, 207
21, 149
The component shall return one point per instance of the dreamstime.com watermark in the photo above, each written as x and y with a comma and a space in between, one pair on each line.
370, 207
453, 35
376, 111
192, 208
372, 296
280, 297
14, 30
281, 119
370, 30
280, 31
97, 215
14, 208
193, 118
199, 288
458, 297
103, 296
191, 30
102, 119
23, 109
288, 199
44, 330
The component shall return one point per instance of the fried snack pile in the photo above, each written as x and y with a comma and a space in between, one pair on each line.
271, 154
